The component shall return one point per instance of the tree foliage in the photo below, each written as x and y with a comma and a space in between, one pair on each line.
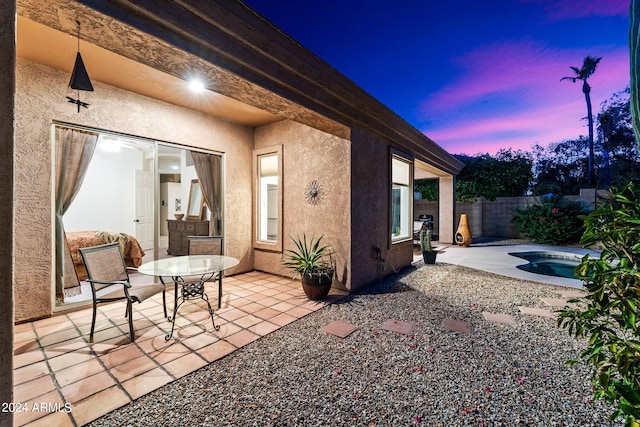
508, 173
610, 318
561, 167
619, 161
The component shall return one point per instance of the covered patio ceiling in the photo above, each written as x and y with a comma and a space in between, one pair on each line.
48, 46
125, 57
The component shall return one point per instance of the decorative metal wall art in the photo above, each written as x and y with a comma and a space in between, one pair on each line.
314, 192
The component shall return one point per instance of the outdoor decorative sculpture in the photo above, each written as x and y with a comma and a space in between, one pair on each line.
463, 234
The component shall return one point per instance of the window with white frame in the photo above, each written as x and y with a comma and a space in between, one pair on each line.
400, 199
268, 190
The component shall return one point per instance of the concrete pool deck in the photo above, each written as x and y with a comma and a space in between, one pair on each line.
495, 258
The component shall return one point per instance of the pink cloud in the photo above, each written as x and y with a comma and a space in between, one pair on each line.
558, 10
510, 95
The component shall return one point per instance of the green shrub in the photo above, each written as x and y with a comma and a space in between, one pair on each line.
554, 221
611, 319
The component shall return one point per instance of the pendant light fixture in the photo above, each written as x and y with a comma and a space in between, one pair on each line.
79, 78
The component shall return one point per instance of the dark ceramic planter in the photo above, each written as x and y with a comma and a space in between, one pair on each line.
429, 257
317, 286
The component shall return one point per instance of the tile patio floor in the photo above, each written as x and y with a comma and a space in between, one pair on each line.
55, 365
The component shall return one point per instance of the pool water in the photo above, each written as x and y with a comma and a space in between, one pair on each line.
549, 263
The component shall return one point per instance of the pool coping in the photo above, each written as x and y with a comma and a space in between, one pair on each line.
496, 259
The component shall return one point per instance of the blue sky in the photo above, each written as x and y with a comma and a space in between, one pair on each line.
474, 76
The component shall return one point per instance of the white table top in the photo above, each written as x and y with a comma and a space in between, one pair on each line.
190, 265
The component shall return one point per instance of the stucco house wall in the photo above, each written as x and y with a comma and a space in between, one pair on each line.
310, 154
370, 211
39, 100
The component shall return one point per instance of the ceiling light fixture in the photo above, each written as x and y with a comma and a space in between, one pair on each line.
79, 77
196, 85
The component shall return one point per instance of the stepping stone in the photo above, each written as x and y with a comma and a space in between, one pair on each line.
537, 312
573, 294
397, 326
454, 325
556, 302
504, 318
339, 329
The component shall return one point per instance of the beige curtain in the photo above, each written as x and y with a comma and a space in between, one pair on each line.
74, 149
208, 169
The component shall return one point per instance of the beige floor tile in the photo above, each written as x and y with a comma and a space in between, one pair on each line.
198, 341
228, 329
98, 404
298, 312
57, 337
232, 314
87, 386
216, 351
78, 371
147, 382
34, 388
247, 321
269, 301
27, 358
267, 313
282, 319
271, 293
21, 328
30, 372
133, 367
74, 346
121, 355
59, 418
156, 344
168, 354
185, 365
252, 307
242, 338
263, 328
37, 408
282, 306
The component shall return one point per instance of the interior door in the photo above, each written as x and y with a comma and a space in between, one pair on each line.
144, 208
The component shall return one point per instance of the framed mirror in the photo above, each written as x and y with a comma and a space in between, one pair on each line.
194, 208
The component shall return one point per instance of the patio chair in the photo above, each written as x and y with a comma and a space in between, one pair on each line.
208, 245
110, 281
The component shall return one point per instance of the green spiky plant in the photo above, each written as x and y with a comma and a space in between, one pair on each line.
310, 257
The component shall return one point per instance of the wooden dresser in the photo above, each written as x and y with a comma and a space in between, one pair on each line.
179, 232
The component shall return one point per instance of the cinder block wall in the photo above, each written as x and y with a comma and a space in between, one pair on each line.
492, 218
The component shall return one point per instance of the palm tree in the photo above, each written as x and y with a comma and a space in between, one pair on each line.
588, 68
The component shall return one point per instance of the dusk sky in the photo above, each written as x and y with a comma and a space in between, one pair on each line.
474, 76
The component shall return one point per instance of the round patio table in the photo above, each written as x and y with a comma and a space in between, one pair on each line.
197, 269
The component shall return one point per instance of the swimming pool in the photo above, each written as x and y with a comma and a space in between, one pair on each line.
558, 264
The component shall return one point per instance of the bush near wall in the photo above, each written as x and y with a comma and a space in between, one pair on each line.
554, 221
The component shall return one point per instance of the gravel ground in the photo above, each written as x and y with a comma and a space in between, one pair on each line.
500, 375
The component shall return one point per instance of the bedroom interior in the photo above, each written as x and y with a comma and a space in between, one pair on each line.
144, 194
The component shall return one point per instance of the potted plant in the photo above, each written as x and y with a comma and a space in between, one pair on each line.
424, 237
314, 263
